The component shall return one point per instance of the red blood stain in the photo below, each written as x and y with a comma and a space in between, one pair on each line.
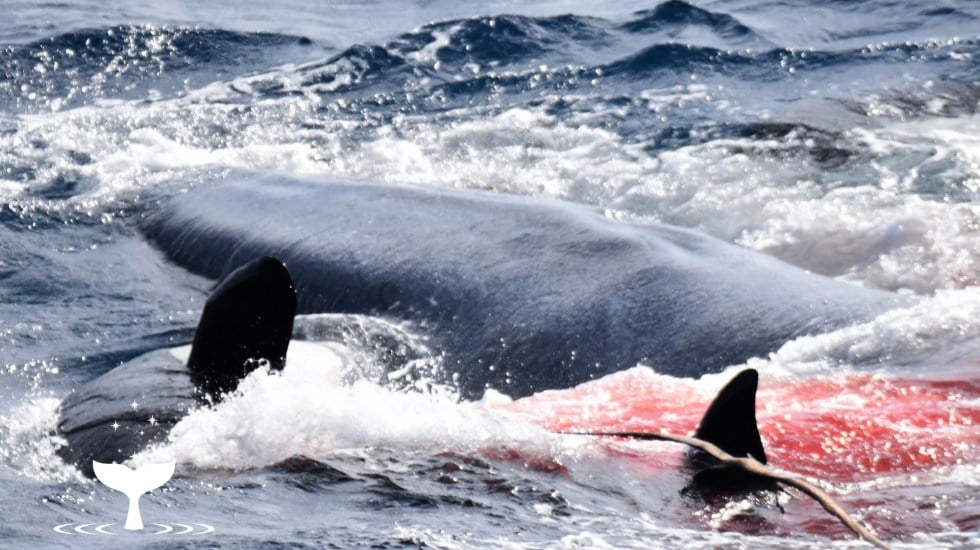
848, 428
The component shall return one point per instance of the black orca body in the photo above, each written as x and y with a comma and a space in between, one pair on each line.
518, 294
246, 320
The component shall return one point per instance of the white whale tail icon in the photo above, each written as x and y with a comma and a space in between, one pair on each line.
133, 483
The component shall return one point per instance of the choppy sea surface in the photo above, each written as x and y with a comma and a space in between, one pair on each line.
841, 137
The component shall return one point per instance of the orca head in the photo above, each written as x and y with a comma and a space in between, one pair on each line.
248, 318
730, 421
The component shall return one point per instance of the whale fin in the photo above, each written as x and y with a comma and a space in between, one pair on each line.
730, 421
248, 318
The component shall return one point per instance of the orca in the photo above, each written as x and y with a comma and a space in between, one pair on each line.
519, 294
728, 456
247, 320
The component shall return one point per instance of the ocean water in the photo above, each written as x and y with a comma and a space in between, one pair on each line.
841, 137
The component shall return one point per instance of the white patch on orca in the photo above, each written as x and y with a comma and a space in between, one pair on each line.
181, 353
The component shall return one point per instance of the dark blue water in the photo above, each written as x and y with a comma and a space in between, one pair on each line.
841, 137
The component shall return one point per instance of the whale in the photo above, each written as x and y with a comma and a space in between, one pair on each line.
513, 293
517, 294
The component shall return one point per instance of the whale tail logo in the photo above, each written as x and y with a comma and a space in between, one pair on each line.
133, 483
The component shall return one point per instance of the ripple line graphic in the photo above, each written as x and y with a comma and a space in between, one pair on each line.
166, 529
101, 529
81, 529
107, 529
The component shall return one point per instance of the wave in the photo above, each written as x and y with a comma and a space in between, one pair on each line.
455, 63
786, 63
674, 16
496, 61
128, 61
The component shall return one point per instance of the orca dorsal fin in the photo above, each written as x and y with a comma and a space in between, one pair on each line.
248, 317
730, 421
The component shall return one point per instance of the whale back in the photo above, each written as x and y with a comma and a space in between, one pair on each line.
520, 294
108, 419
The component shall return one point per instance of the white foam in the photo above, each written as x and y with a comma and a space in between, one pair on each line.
941, 332
885, 233
944, 141
428, 54
11, 189
307, 410
27, 445
875, 237
519, 151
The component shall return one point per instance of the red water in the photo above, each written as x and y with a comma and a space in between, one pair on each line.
885, 444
